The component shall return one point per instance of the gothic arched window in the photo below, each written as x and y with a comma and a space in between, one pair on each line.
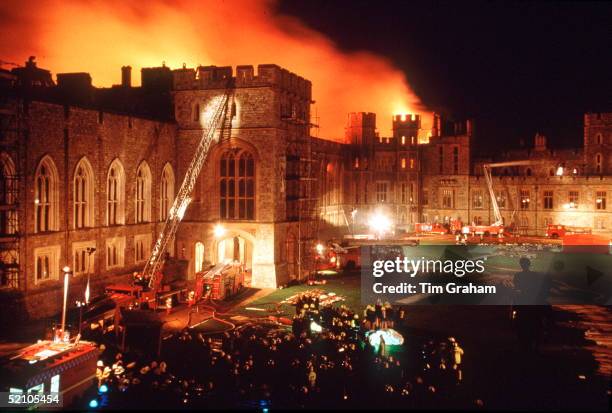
46, 196
83, 195
166, 196
115, 194
8, 187
143, 193
237, 185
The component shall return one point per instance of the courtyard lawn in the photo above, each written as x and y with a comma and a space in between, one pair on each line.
347, 286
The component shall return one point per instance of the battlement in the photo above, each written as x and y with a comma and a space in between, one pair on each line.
597, 118
217, 77
407, 120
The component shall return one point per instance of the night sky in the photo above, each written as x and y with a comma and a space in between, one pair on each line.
517, 68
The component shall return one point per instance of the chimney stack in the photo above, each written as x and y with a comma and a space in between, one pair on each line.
126, 76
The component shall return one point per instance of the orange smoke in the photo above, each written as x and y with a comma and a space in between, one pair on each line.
100, 36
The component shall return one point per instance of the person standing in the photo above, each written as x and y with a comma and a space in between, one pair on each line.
312, 378
457, 358
378, 313
382, 351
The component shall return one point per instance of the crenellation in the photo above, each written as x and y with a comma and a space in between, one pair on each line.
214, 77
184, 78
244, 75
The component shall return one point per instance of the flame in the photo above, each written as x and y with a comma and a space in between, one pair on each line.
101, 36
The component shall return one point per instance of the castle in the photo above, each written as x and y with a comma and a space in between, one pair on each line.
89, 174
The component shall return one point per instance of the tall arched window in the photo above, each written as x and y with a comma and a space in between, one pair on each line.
46, 196
143, 193
237, 185
199, 257
166, 196
8, 186
115, 194
83, 195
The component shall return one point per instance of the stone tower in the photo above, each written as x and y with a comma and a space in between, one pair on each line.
239, 208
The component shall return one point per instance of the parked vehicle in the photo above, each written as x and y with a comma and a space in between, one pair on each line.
555, 231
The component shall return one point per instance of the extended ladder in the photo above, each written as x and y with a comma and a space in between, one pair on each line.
214, 122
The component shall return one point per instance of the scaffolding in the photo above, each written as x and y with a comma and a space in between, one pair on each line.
301, 191
10, 133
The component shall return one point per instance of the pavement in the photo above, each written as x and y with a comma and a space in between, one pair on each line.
184, 316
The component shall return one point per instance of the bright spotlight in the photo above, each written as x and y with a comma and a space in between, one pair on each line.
379, 223
93, 404
560, 171
219, 231
320, 248
103, 388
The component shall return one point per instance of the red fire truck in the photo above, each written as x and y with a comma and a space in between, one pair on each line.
138, 293
48, 367
453, 227
219, 282
555, 231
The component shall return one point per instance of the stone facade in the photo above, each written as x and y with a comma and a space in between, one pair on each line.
60, 138
568, 186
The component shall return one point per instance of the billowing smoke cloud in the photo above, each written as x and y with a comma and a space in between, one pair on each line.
100, 36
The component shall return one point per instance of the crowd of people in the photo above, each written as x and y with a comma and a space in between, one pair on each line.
383, 316
257, 365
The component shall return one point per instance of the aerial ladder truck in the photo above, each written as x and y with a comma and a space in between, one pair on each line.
214, 119
497, 227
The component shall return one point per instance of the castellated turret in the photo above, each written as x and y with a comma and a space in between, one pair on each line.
407, 125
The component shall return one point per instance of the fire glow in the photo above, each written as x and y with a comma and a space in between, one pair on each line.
101, 36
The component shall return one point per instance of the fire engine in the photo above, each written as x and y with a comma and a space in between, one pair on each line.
555, 231
453, 227
52, 368
219, 282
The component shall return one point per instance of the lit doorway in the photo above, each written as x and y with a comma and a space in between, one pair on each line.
235, 249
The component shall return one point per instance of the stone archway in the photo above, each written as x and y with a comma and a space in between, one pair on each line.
236, 248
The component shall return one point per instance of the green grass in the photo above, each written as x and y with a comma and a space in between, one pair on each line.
347, 286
